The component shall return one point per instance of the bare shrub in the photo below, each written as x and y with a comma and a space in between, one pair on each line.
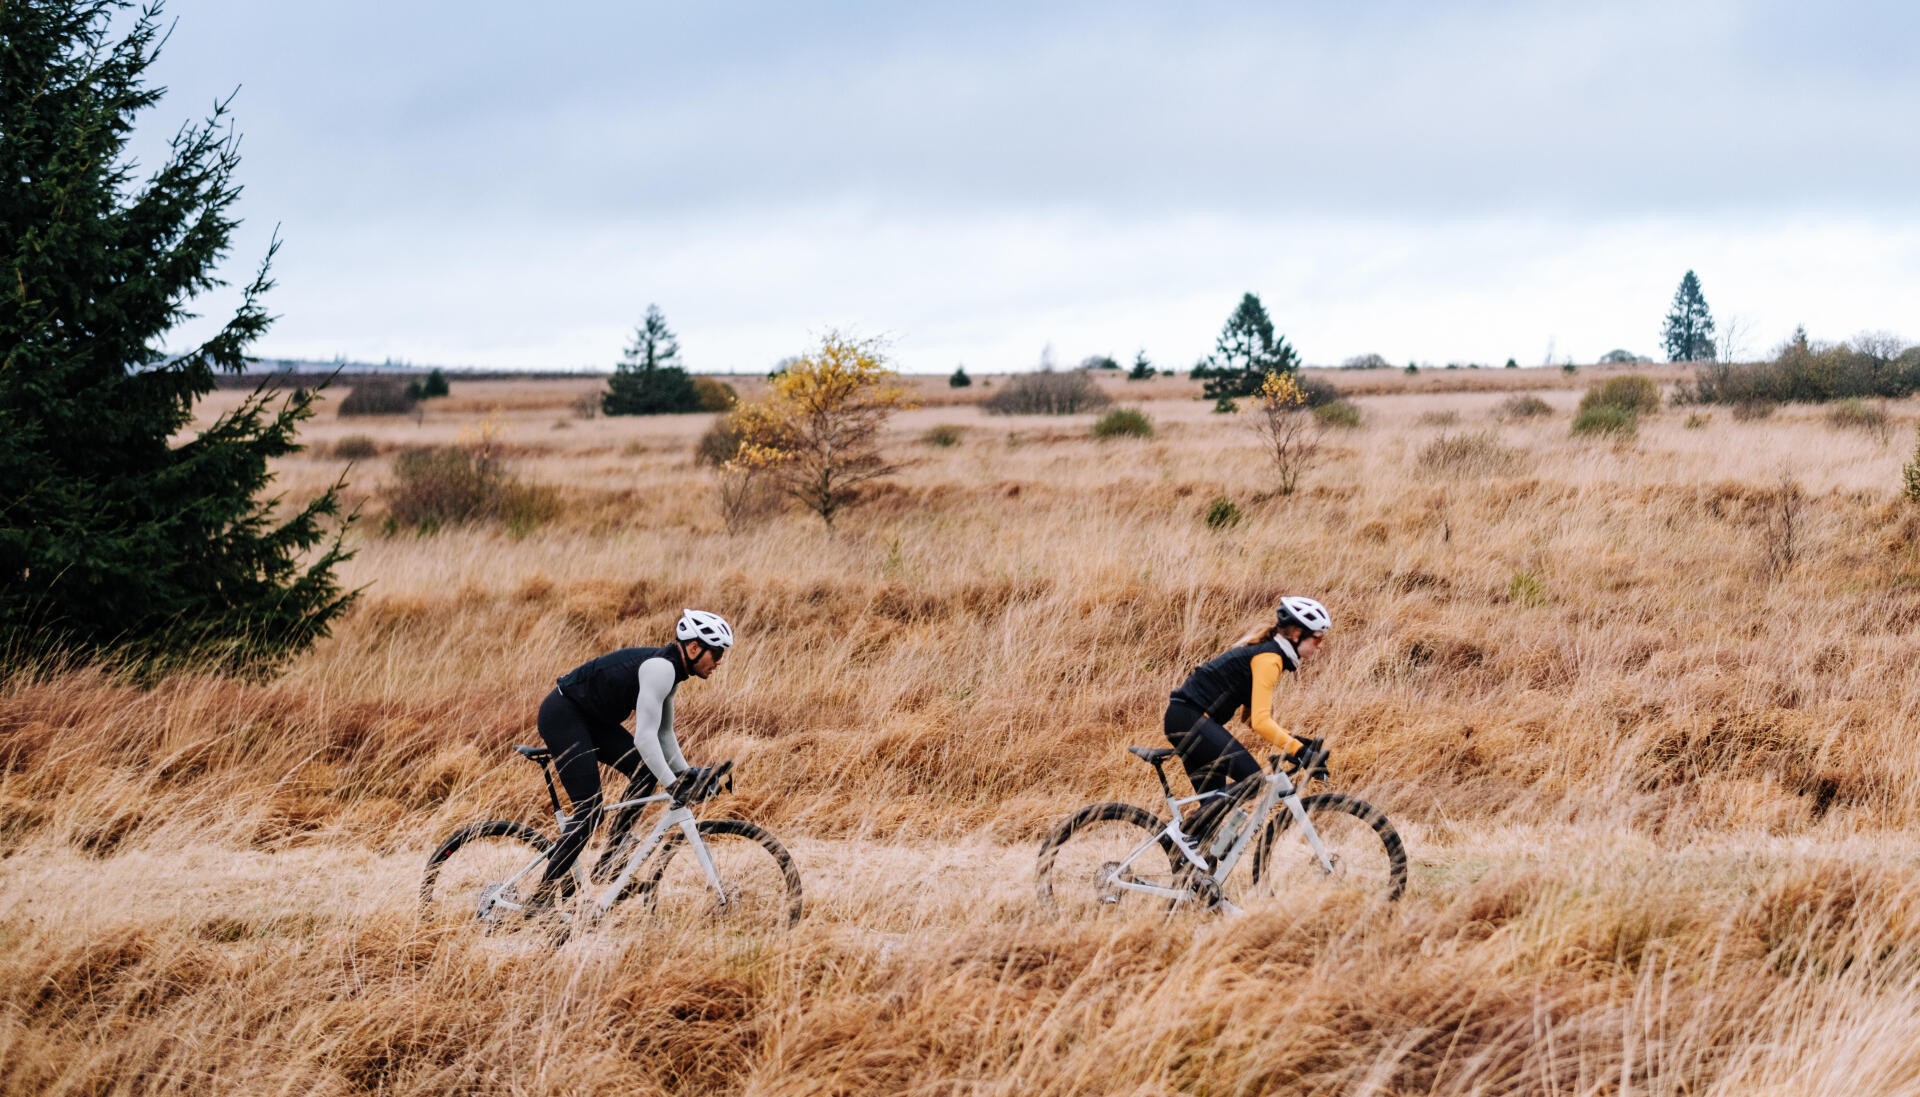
378, 396
1861, 416
587, 405
943, 435
1782, 533
355, 447
442, 486
720, 443
742, 496
1478, 454
1047, 393
1525, 406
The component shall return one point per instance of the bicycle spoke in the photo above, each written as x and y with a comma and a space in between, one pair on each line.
758, 886
1087, 863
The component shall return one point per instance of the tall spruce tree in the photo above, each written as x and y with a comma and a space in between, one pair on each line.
649, 379
118, 539
1247, 350
1688, 334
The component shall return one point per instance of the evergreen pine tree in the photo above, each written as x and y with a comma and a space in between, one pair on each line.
435, 385
1245, 353
115, 540
649, 379
1688, 334
959, 380
1142, 369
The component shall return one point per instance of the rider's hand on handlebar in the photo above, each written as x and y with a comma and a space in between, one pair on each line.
1311, 758
681, 788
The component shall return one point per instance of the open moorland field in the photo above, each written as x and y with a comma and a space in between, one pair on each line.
1644, 712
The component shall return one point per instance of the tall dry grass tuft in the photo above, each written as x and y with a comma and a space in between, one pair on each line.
1657, 810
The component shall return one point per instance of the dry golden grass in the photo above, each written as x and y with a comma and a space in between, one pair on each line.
1659, 801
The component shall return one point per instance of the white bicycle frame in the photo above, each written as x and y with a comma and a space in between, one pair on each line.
1279, 788
681, 817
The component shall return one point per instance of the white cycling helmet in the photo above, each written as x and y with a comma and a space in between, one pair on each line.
709, 628
1306, 613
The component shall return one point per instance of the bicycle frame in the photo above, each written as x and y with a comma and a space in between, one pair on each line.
681, 817
1279, 788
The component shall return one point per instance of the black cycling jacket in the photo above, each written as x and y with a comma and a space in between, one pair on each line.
1224, 683
607, 687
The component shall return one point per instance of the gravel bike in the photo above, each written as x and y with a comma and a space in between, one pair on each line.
1104, 855
684, 871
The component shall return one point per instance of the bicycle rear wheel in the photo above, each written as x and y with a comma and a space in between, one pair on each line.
760, 887
467, 874
1369, 861
1080, 862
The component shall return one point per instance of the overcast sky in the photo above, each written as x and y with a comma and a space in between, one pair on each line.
509, 185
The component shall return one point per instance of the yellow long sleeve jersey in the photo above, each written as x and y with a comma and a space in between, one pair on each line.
1243, 676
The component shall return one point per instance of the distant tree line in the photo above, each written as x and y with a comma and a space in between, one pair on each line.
1802, 371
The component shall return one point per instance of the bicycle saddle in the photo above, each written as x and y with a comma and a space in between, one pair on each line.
534, 754
1155, 755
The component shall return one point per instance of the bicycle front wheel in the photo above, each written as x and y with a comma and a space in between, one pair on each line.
1094, 851
1368, 859
759, 885
471, 872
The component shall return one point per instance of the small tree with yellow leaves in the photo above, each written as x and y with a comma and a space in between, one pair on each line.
815, 432
1286, 429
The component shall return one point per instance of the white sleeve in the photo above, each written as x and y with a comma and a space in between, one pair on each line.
653, 719
670, 743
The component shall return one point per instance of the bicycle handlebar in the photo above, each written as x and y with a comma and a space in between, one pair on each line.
707, 782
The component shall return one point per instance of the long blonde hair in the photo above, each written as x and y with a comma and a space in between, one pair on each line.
1260, 635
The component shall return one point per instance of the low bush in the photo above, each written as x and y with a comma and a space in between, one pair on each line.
1910, 475
1445, 418
713, 394
1854, 414
1123, 423
1047, 393
1607, 419
355, 447
1478, 454
1696, 421
1810, 373
943, 435
455, 485
1527, 406
378, 396
1222, 513
1748, 410
1319, 392
1340, 413
1634, 392
719, 443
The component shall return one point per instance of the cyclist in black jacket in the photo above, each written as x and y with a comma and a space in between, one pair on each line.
1242, 677
580, 721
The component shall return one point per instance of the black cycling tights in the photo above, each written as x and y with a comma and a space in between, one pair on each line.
579, 744
1213, 757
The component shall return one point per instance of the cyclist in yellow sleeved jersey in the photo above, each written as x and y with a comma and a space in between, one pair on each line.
1243, 676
